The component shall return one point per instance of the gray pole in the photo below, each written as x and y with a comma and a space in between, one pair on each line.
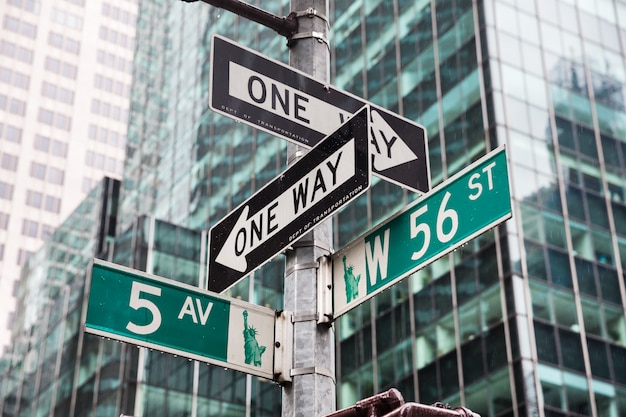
312, 391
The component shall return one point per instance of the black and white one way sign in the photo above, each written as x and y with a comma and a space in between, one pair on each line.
285, 102
329, 176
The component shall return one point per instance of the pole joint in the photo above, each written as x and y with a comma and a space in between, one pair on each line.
309, 13
325, 291
313, 370
283, 343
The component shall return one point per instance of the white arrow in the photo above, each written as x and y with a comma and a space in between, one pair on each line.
228, 256
253, 230
389, 150
256, 89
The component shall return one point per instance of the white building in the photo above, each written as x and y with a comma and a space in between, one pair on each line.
65, 82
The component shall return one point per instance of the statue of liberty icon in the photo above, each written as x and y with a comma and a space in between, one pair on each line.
251, 346
352, 282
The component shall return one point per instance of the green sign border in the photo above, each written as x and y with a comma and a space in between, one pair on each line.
96, 327
359, 243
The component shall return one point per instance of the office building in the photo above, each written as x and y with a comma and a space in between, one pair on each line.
526, 320
65, 80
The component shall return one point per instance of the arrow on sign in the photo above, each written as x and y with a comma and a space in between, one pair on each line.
329, 176
252, 231
384, 139
288, 103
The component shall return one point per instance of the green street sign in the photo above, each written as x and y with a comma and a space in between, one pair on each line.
169, 316
455, 212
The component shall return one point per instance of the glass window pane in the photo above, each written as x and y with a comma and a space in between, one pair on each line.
571, 350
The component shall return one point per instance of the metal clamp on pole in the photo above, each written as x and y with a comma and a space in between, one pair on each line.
312, 243
317, 35
313, 370
283, 346
325, 291
299, 267
311, 13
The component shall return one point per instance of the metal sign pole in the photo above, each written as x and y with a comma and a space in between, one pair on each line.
312, 391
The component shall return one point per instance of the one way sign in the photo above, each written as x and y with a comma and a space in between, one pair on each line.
278, 99
329, 176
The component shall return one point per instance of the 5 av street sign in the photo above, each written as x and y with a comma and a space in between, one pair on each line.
285, 102
150, 311
463, 207
329, 176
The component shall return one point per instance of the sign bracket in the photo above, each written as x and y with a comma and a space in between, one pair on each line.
325, 291
283, 344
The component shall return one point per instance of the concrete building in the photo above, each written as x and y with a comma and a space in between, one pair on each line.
65, 81
529, 319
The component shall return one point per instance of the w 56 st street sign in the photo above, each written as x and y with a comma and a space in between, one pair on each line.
458, 210
169, 316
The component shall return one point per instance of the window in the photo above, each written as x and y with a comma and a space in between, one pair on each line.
63, 122
59, 149
6, 191
52, 204
9, 162
92, 132
86, 185
24, 55
111, 164
33, 198
67, 44
37, 170
117, 14
95, 106
23, 256
45, 116
72, 46
7, 48
11, 23
13, 134
57, 93
58, 120
89, 158
70, 20
14, 78
99, 162
28, 30
17, 107
4, 220
56, 176
5, 75
32, 6
46, 231
16, 25
117, 38
61, 68
42, 143
30, 228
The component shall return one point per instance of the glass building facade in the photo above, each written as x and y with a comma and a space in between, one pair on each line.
529, 319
